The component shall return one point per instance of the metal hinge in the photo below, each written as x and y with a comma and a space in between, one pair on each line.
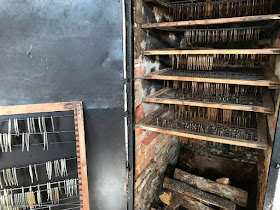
126, 81
128, 168
126, 114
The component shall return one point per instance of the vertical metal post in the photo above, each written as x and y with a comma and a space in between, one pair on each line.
129, 93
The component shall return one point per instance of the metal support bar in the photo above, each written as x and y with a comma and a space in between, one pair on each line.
129, 83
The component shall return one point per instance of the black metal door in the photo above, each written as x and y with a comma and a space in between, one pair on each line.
65, 50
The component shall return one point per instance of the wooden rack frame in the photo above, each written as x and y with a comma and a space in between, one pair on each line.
271, 80
266, 51
169, 25
264, 144
261, 143
214, 27
77, 107
267, 108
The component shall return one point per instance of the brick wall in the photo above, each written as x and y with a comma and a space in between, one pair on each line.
153, 151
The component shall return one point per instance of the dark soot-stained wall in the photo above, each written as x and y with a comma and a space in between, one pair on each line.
64, 50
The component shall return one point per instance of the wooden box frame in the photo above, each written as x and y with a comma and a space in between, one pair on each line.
77, 107
261, 143
160, 98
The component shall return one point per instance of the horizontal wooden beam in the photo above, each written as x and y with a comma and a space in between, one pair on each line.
271, 80
203, 137
212, 21
157, 3
267, 108
39, 108
266, 51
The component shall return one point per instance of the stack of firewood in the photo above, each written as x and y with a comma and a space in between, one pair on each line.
197, 193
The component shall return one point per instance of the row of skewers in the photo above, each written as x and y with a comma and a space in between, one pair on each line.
208, 62
193, 10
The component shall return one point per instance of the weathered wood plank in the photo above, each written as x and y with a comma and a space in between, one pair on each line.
266, 51
196, 193
81, 154
263, 164
153, 115
38, 108
264, 157
274, 80
223, 180
174, 200
271, 80
234, 194
204, 137
262, 130
159, 72
157, 3
212, 21
267, 100
158, 93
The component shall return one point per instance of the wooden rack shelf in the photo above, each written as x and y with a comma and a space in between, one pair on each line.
261, 142
265, 78
167, 96
267, 51
169, 25
261, 27
228, 43
157, 3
